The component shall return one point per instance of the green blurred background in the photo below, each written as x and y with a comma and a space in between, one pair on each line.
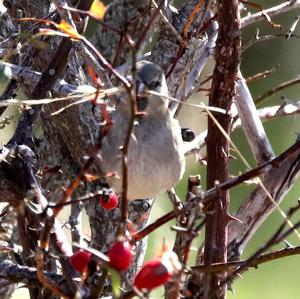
278, 279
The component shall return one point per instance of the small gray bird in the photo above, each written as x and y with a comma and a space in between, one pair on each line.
156, 159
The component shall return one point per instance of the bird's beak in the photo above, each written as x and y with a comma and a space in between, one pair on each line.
141, 96
141, 89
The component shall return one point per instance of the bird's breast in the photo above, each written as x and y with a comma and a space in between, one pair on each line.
155, 159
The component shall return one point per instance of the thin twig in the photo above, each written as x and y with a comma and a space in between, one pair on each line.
64, 13
125, 148
105, 63
232, 266
153, 226
261, 99
262, 75
257, 39
184, 239
87, 13
191, 18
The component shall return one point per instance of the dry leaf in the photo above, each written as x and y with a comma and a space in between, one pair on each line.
68, 29
98, 10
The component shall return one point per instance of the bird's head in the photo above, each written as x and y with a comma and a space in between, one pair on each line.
151, 78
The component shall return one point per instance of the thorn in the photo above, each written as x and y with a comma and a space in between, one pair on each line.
35, 208
232, 157
134, 138
288, 244
298, 137
179, 228
230, 288
34, 229
224, 152
232, 218
239, 275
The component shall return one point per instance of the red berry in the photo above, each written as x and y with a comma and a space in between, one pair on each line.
109, 201
120, 255
152, 274
80, 260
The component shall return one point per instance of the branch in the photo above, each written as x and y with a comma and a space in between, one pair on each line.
62, 88
259, 100
285, 109
271, 12
24, 130
232, 266
258, 39
28, 276
251, 123
227, 56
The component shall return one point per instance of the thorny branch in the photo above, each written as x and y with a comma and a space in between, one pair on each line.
261, 259
222, 92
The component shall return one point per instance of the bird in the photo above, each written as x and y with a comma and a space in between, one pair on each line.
156, 160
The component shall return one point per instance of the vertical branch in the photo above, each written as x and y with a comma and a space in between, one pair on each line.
125, 149
227, 58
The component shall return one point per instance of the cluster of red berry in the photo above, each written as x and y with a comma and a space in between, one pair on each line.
153, 273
